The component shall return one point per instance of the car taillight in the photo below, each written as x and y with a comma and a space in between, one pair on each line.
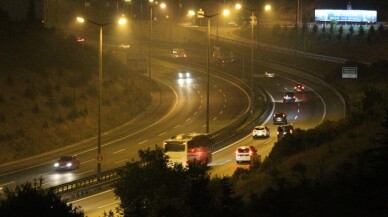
290, 131
250, 152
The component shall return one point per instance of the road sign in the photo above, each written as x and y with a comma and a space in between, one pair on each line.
349, 72
200, 13
100, 158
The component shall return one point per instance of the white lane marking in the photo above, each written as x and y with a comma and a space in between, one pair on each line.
214, 118
221, 112
225, 100
188, 119
142, 142
162, 133
273, 109
296, 117
204, 125
224, 105
298, 110
85, 198
220, 90
320, 97
121, 150
224, 162
177, 126
87, 161
107, 205
195, 113
268, 141
117, 162
89, 171
6, 184
224, 95
199, 108
46, 183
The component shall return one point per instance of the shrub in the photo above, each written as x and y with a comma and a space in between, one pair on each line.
29, 93
2, 118
36, 109
67, 101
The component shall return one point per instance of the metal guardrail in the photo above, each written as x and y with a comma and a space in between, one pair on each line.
282, 50
220, 139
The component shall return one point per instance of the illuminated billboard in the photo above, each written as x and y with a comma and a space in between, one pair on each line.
346, 15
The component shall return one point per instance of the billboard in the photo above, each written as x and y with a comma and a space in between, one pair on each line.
328, 15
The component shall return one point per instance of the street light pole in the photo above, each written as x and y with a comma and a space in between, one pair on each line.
99, 156
149, 50
99, 102
208, 74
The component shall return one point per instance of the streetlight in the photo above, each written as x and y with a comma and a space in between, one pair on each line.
225, 13
266, 8
121, 21
152, 5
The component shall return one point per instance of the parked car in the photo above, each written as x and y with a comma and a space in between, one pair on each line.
289, 97
299, 87
284, 130
279, 118
67, 163
246, 154
260, 131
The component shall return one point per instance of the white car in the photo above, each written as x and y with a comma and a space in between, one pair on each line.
184, 78
260, 131
246, 154
124, 46
269, 74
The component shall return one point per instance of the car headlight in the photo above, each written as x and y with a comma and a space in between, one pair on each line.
56, 164
180, 75
187, 74
69, 164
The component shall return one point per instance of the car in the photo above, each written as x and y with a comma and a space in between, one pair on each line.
260, 131
284, 130
67, 163
279, 118
299, 87
179, 53
269, 74
246, 154
124, 46
232, 23
80, 39
184, 78
289, 97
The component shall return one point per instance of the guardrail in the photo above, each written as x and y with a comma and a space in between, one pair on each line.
220, 139
282, 50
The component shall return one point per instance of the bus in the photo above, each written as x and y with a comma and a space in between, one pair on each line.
188, 148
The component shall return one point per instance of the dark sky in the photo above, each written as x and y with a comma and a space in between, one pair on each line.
17, 9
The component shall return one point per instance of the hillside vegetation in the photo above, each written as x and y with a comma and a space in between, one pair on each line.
49, 90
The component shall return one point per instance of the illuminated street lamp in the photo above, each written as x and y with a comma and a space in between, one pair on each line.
121, 21
152, 5
266, 8
225, 13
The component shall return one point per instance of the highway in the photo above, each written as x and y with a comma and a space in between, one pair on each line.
180, 107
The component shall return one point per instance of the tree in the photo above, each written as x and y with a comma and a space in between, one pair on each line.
315, 28
151, 188
30, 201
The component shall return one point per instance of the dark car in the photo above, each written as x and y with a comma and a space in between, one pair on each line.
289, 97
299, 87
279, 118
284, 130
67, 163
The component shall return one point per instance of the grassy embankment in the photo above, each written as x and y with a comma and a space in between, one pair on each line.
49, 91
337, 166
